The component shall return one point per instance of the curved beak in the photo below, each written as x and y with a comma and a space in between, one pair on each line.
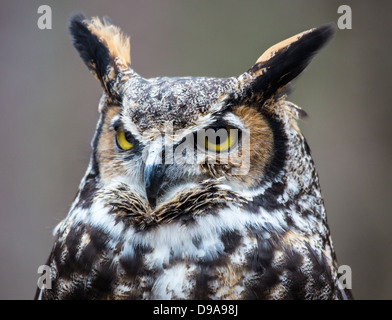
153, 180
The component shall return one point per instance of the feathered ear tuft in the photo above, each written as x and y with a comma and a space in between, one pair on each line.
103, 47
284, 61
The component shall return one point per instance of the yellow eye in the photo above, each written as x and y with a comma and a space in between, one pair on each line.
122, 141
220, 140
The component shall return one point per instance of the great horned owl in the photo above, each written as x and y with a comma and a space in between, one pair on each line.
197, 188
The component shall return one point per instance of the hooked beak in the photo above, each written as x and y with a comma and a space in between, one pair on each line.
153, 180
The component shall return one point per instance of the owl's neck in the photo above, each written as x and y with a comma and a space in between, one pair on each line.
291, 195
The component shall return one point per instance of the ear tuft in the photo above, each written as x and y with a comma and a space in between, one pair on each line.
321, 34
111, 36
102, 46
284, 61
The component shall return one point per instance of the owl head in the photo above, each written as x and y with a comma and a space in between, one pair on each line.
195, 138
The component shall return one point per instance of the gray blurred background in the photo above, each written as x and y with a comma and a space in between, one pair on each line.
48, 112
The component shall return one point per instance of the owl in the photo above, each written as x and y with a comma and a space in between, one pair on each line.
197, 187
